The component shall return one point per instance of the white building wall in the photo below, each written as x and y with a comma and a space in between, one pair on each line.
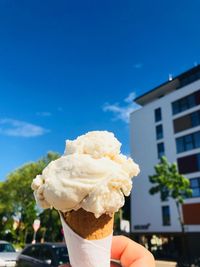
145, 208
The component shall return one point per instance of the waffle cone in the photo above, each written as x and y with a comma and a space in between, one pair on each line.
86, 225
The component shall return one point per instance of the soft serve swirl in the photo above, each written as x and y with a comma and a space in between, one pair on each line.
92, 174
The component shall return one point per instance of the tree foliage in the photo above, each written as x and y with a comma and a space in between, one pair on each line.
51, 229
169, 182
17, 200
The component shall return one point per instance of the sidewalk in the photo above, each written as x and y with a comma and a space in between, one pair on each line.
165, 264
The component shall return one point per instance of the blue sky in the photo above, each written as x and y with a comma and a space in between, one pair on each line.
68, 67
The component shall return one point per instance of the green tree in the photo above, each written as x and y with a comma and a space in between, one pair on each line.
170, 184
51, 229
17, 198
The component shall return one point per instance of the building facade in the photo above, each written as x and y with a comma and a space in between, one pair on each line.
168, 123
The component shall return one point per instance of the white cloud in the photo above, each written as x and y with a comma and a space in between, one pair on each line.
12, 127
122, 112
130, 97
44, 114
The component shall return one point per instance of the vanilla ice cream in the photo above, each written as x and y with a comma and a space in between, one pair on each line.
92, 174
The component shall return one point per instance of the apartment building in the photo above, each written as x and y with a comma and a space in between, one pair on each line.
168, 123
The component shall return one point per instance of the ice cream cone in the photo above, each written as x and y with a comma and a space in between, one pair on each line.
86, 225
93, 175
89, 236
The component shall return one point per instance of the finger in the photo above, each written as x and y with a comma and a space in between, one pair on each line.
130, 253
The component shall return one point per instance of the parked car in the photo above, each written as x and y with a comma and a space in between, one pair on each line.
8, 255
43, 255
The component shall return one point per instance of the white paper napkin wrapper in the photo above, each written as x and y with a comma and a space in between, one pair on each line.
86, 253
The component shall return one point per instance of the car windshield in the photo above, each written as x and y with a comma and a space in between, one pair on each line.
62, 254
6, 248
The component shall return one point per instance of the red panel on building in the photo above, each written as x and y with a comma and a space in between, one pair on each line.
188, 164
197, 97
191, 213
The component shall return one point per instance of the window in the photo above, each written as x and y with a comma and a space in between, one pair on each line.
6, 247
46, 254
188, 142
196, 139
175, 107
159, 132
189, 79
180, 145
191, 99
158, 114
33, 251
62, 255
195, 186
166, 215
160, 150
195, 118
185, 103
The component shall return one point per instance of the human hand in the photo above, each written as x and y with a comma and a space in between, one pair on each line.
130, 253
